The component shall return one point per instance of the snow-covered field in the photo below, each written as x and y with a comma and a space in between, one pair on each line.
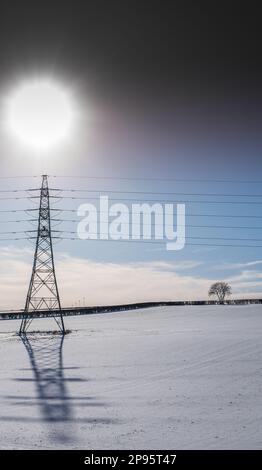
172, 378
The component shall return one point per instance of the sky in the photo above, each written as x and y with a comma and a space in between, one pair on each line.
168, 100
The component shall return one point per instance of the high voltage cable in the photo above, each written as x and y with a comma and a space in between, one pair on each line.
91, 191
188, 215
137, 192
31, 231
165, 202
18, 177
187, 237
14, 232
17, 190
13, 239
138, 241
244, 227
59, 210
153, 192
169, 225
19, 221
138, 178
161, 242
15, 210
102, 233
13, 198
116, 191
164, 240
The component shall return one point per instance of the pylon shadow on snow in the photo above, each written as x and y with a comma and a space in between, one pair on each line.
46, 358
60, 410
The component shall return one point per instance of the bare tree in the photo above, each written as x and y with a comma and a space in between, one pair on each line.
221, 290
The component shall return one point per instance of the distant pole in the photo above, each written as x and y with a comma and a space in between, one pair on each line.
43, 292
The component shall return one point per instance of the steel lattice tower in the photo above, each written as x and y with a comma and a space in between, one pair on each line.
43, 292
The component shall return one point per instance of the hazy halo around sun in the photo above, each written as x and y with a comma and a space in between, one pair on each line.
40, 113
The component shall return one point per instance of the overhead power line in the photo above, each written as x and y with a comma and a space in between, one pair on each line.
96, 198
18, 177
15, 232
14, 210
188, 215
15, 198
162, 242
231, 227
224, 245
187, 237
19, 221
13, 239
146, 178
112, 191
17, 190
140, 178
155, 224
60, 210
172, 193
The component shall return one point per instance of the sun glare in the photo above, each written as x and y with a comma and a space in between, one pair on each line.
40, 113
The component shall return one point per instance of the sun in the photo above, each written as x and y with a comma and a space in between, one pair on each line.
40, 113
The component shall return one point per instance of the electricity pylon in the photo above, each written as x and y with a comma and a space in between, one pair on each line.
43, 292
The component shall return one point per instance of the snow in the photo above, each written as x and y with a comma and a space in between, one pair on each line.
161, 378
